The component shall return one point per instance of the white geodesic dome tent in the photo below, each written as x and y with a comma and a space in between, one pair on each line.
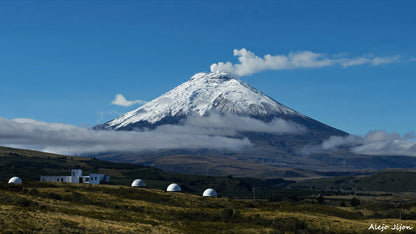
138, 183
15, 180
209, 193
173, 188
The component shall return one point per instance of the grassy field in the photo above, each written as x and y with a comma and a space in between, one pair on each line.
30, 165
334, 205
388, 180
64, 207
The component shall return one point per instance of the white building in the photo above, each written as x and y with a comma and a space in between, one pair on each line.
77, 177
98, 178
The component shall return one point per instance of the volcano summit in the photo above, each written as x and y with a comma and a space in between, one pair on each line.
221, 102
214, 92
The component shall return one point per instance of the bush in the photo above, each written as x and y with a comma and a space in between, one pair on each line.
355, 202
34, 192
290, 224
54, 196
23, 202
320, 199
226, 214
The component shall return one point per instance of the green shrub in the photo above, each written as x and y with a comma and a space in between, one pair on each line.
54, 196
355, 202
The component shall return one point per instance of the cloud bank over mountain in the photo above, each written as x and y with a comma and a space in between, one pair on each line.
250, 63
232, 124
373, 143
215, 132
210, 132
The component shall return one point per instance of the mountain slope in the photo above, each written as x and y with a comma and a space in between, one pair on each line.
224, 95
200, 95
215, 92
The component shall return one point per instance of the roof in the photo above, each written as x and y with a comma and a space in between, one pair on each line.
209, 193
173, 188
138, 183
15, 180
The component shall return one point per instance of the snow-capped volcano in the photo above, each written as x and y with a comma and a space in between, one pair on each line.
219, 104
203, 93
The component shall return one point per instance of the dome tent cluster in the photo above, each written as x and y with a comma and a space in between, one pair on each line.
174, 188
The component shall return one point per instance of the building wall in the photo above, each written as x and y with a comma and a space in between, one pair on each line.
76, 174
85, 179
77, 177
97, 178
56, 178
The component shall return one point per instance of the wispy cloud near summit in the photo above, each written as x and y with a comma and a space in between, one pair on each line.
250, 63
120, 100
375, 61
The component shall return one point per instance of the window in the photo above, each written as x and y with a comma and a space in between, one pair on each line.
57, 179
73, 173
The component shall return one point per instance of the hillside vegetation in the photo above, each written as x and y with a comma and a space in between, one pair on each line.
30, 165
389, 180
333, 205
64, 207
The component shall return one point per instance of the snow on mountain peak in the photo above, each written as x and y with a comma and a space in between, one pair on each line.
213, 75
205, 92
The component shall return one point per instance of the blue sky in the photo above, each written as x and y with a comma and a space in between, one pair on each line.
65, 61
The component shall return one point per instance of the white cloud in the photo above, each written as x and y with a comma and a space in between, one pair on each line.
337, 141
250, 63
231, 125
355, 61
375, 61
373, 143
101, 116
381, 142
391, 59
214, 132
120, 100
69, 139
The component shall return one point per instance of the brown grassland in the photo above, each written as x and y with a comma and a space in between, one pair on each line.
345, 204
67, 208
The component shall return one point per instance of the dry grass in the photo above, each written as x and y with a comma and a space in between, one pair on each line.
67, 208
